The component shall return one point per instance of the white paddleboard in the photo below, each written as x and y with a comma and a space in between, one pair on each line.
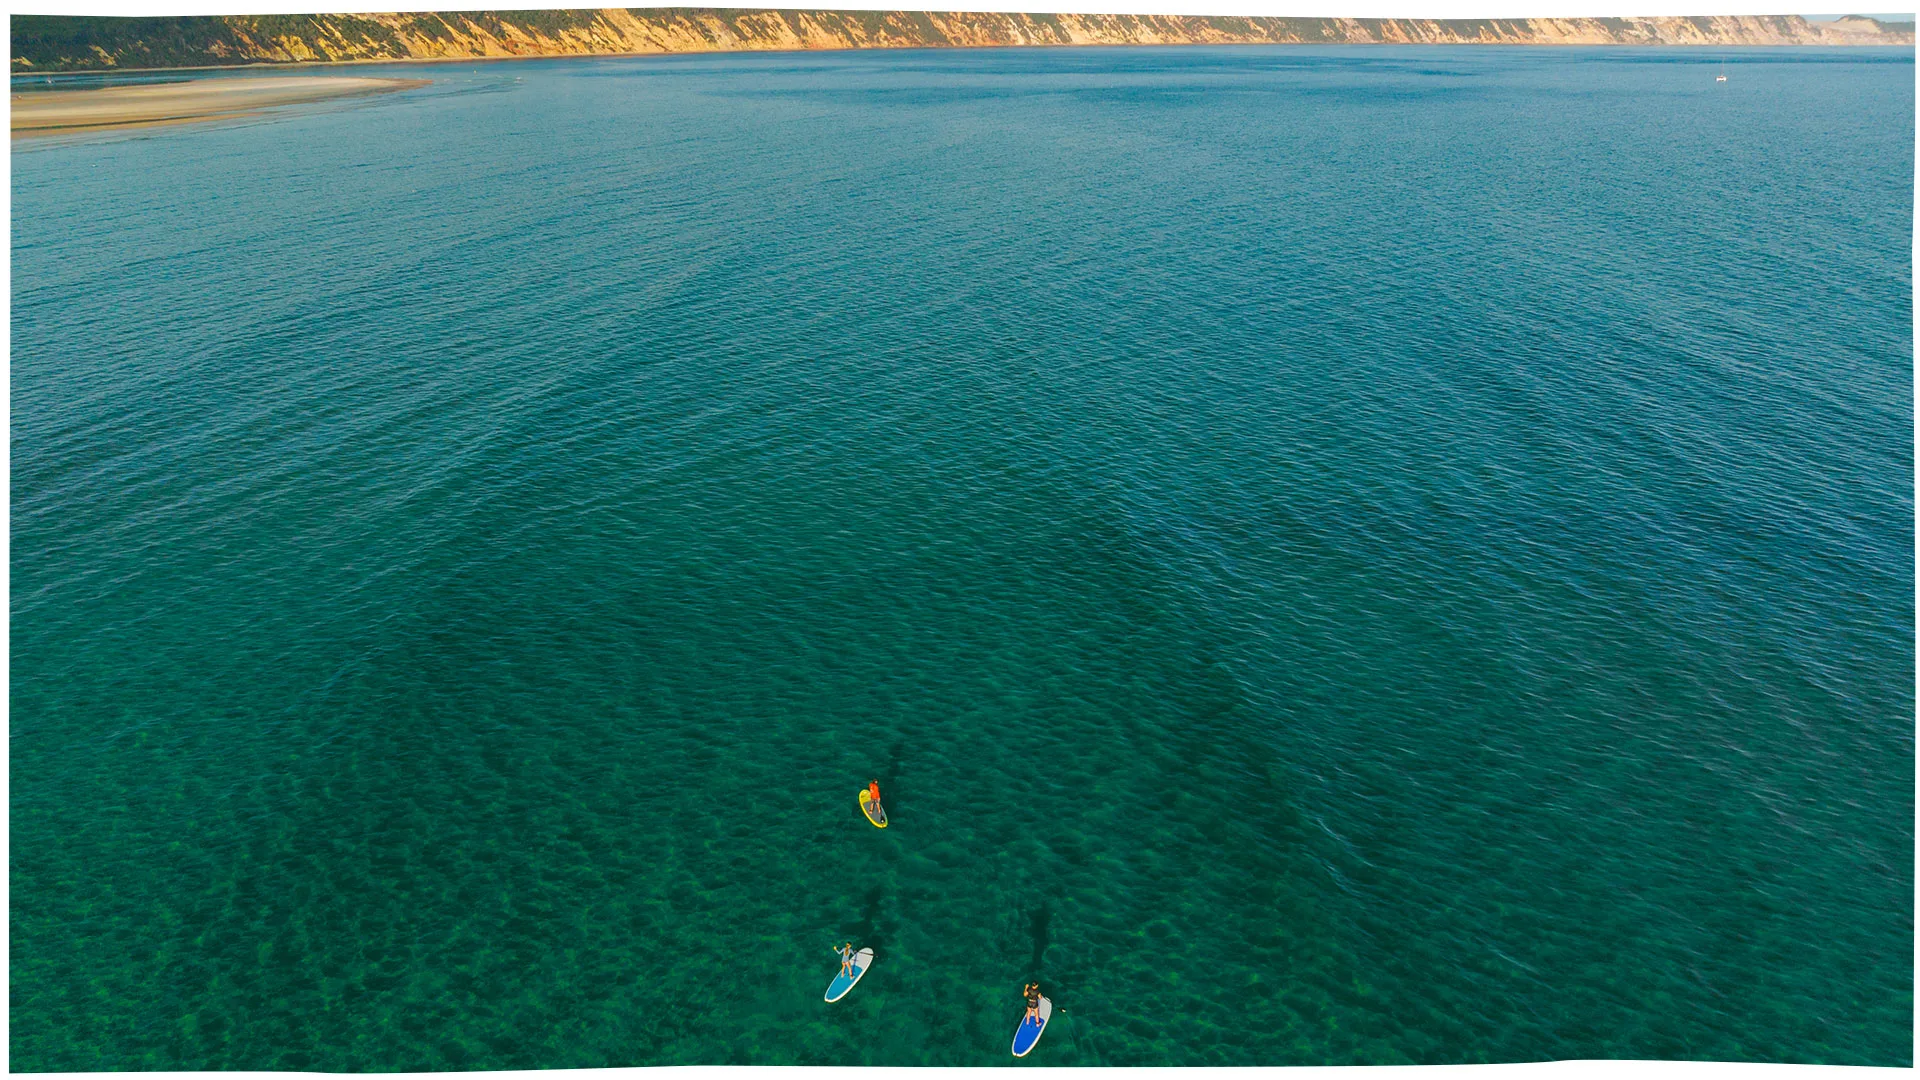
1027, 1035
843, 982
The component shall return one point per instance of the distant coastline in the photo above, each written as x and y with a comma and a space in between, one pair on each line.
57, 43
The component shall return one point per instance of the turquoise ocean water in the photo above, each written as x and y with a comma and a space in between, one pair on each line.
1333, 556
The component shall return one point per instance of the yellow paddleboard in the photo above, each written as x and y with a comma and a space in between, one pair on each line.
871, 807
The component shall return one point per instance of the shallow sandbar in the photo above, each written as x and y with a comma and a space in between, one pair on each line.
53, 112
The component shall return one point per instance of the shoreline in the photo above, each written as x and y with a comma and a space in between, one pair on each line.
112, 108
300, 65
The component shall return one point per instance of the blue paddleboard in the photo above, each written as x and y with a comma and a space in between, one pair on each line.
843, 982
1030, 1030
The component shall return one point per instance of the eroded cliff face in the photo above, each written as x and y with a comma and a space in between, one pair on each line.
55, 43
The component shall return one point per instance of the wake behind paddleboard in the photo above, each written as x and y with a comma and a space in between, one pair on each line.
843, 982
1030, 1029
870, 806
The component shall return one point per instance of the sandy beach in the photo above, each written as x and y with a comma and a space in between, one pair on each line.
56, 112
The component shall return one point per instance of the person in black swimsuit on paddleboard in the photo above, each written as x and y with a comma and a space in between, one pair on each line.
1032, 992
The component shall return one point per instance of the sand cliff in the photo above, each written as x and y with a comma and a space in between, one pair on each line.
64, 43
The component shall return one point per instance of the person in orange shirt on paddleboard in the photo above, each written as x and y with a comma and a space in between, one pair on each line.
870, 804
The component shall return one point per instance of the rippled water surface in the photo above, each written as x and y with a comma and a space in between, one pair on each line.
1333, 556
